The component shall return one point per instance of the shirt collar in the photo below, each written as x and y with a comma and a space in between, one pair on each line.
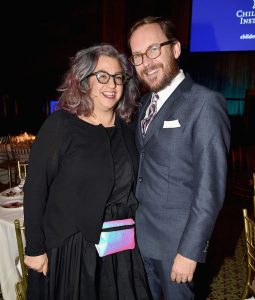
168, 90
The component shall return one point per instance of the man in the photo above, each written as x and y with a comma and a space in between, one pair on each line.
183, 138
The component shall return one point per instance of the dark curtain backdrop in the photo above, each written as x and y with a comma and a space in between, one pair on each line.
33, 63
229, 73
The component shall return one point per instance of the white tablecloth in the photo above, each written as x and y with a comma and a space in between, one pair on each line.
8, 250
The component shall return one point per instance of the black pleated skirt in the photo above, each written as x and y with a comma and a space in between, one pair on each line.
76, 272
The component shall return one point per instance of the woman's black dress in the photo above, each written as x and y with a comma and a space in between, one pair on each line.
76, 272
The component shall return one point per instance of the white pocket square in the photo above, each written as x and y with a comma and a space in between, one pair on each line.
172, 124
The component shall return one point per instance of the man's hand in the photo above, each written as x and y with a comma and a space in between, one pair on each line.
183, 269
37, 263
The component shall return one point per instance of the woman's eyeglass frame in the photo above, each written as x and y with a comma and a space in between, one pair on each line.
104, 80
149, 53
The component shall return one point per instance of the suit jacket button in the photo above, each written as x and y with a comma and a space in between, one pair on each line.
140, 179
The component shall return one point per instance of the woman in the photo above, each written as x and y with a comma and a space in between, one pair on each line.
82, 171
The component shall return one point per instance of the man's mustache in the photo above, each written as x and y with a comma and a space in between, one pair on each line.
151, 67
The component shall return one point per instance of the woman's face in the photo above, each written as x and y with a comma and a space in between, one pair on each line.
105, 96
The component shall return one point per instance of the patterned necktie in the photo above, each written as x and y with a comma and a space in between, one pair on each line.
152, 110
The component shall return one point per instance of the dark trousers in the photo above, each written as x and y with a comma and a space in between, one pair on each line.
162, 288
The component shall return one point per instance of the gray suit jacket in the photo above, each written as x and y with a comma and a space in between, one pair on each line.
182, 172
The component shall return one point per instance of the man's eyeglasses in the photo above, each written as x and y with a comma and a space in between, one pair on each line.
153, 51
104, 77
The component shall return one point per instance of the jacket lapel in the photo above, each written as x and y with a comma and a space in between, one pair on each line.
168, 110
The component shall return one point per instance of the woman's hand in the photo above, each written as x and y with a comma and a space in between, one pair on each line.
37, 263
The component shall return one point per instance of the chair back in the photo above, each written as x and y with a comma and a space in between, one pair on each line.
249, 227
20, 152
22, 170
253, 176
21, 286
7, 166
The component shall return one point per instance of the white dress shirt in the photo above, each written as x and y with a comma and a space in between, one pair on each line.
167, 91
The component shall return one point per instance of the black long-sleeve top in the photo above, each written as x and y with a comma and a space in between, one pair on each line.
70, 178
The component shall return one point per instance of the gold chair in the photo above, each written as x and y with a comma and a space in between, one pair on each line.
249, 227
253, 175
253, 211
21, 286
22, 170
6, 166
21, 145
20, 154
20, 151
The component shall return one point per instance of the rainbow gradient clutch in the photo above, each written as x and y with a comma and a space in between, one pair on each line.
116, 236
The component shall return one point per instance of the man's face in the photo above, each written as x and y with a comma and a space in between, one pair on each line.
156, 73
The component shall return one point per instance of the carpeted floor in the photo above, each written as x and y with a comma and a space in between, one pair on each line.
230, 280
223, 276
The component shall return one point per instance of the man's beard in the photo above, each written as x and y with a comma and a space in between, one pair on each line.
170, 73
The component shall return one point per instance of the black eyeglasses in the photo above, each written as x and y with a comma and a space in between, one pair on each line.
104, 77
153, 51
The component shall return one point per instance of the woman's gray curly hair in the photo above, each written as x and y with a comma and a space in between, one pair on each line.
75, 88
